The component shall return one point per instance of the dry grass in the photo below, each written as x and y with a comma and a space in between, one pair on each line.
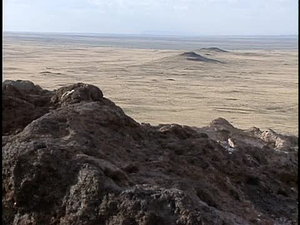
252, 88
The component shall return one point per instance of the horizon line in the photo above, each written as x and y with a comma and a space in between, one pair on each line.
148, 34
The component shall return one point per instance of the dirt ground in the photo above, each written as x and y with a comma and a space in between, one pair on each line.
249, 88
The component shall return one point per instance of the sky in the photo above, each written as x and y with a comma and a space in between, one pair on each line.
157, 17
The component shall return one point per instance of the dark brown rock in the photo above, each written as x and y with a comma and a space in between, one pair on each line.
77, 93
22, 102
84, 161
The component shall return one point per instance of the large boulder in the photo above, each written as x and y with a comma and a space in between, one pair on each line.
22, 85
84, 161
22, 102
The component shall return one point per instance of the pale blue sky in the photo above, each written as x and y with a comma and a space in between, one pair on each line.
189, 17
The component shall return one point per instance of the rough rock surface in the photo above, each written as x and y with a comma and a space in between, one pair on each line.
22, 102
72, 156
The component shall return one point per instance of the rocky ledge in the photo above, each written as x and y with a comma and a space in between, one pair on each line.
71, 156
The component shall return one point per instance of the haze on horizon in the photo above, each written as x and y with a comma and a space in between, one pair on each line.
179, 17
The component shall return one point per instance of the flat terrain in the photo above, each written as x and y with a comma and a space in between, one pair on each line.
247, 87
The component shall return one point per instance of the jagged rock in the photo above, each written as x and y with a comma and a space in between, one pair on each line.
76, 93
84, 161
280, 142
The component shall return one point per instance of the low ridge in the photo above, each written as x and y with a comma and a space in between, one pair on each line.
196, 57
214, 49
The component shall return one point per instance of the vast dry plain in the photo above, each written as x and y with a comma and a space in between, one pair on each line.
247, 86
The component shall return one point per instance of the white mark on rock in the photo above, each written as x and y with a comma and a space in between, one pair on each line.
230, 142
66, 94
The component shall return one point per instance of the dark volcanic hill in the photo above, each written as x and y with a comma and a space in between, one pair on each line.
214, 49
196, 57
71, 156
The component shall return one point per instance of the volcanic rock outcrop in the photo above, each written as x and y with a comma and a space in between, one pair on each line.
196, 57
71, 156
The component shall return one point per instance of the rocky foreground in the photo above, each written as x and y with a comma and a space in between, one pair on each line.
71, 156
